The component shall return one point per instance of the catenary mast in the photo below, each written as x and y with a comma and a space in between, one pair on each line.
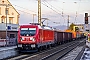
39, 12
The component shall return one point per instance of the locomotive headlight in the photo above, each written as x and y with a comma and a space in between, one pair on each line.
22, 38
32, 38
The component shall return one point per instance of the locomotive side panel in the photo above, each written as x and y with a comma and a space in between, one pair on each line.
48, 35
40, 35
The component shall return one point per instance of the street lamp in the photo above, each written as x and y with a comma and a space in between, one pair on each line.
6, 12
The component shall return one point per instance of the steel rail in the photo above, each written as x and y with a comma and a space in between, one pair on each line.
44, 58
67, 52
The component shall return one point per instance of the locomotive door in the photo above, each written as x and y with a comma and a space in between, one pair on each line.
41, 35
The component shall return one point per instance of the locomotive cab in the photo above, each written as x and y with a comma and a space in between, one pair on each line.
27, 36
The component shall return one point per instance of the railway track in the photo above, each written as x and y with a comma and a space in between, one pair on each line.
61, 53
55, 53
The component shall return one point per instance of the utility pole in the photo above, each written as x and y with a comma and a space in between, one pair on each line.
75, 18
39, 12
68, 22
6, 24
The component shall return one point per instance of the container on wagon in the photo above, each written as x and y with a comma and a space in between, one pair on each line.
73, 33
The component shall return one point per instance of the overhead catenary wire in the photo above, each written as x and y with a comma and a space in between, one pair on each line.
33, 11
54, 11
47, 6
25, 11
51, 5
77, 11
24, 8
57, 10
36, 15
54, 8
51, 8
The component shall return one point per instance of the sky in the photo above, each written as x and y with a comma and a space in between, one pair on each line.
56, 11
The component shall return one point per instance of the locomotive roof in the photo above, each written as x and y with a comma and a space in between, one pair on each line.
45, 27
42, 27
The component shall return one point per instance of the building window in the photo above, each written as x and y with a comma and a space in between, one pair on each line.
2, 1
10, 20
2, 20
12, 13
12, 35
7, 11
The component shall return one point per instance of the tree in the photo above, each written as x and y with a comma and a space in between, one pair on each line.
71, 26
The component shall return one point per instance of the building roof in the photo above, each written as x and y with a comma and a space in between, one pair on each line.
13, 7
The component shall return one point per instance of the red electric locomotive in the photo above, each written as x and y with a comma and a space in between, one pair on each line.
32, 37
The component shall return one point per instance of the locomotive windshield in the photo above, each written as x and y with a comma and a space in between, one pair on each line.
28, 31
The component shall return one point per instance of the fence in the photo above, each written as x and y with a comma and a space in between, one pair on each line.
10, 42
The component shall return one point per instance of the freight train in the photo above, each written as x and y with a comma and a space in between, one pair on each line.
34, 37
